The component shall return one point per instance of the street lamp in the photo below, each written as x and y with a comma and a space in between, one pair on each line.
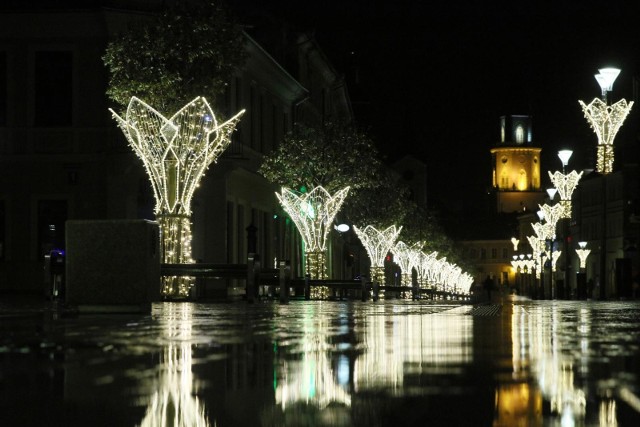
581, 277
552, 193
605, 119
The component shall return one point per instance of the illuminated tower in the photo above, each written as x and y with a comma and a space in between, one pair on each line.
516, 167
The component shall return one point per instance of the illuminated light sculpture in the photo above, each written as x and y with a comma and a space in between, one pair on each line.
605, 120
555, 255
424, 266
583, 253
565, 184
407, 258
175, 153
538, 246
515, 243
313, 214
377, 244
552, 214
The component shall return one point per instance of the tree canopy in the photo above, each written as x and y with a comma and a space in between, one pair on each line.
186, 50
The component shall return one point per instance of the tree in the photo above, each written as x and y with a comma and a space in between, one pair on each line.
187, 50
336, 155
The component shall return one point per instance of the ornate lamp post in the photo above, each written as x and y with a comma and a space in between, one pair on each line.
377, 244
175, 152
313, 214
605, 119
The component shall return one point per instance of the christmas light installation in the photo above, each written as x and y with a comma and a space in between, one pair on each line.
407, 258
552, 214
176, 152
424, 266
605, 120
583, 253
377, 244
538, 246
565, 184
313, 214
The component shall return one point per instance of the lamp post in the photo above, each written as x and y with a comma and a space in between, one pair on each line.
565, 184
581, 275
605, 120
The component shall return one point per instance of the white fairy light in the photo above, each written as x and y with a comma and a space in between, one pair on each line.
313, 214
605, 120
565, 184
583, 254
175, 152
552, 213
424, 266
407, 258
377, 244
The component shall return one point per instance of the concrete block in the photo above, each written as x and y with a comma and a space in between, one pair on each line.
112, 265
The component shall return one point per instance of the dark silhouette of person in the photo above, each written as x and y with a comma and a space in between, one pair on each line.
488, 286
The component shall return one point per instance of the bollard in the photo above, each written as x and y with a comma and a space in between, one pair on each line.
307, 287
284, 267
253, 271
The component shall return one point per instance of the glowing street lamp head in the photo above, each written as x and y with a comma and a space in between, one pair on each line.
564, 156
582, 244
606, 77
551, 192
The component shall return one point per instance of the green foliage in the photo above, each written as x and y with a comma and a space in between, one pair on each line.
334, 156
190, 49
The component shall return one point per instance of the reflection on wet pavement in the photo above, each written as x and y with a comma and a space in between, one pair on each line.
324, 363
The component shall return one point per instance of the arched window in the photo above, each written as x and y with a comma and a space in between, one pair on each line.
519, 134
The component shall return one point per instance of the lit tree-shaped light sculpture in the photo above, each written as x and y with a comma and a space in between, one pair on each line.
583, 253
407, 258
606, 120
538, 246
565, 184
175, 153
377, 244
552, 214
313, 215
424, 267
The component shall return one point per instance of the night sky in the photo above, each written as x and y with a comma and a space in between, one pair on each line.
432, 79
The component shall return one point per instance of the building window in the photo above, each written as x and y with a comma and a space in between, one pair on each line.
494, 253
53, 88
519, 134
505, 253
483, 253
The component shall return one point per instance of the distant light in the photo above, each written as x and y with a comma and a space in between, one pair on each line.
52, 227
582, 245
342, 228
552, 192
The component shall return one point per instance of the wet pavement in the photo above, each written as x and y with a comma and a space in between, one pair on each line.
312, 363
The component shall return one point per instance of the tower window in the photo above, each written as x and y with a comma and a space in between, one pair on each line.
519, 134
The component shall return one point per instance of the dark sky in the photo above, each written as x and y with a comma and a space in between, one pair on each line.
434, 77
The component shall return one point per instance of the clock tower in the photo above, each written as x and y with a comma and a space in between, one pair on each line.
516, 167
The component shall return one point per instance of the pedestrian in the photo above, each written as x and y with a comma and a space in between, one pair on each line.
488, 286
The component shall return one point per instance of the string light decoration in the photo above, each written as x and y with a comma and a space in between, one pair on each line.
424, 266
565, 184
552, 214
605, 120
176, 153
377, 244
538, 246
313, 213
555, 255
407, 258
583, 254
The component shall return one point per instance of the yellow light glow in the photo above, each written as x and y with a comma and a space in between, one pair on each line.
583, 254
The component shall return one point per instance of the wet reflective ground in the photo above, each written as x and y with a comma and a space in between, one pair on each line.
392, 363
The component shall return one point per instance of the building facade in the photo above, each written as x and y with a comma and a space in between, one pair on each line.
62, 156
